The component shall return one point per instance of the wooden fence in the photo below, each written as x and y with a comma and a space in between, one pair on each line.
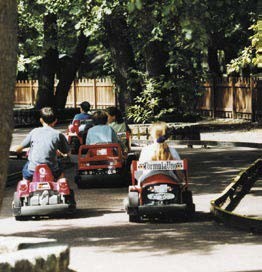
224, 98
231, 98
99, 92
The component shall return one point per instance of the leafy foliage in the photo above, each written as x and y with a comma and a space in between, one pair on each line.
175, 45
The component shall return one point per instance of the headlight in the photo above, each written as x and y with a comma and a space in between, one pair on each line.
169, 188
150, 189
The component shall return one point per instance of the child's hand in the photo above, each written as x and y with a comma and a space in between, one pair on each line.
59, 153
19, 149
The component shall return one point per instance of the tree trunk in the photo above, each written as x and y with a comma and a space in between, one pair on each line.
8, 58
213, 63
67, 71
156, 58
48, 64
122, 58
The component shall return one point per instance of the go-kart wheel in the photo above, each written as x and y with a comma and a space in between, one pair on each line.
133, 199
22, 218
79, 182
134, 218
16, 201
75, 145
187, 197
71, 198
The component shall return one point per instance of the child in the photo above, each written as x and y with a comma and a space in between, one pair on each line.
116, 121
101, 132
84, 117
84, 109
159, 150
44, 143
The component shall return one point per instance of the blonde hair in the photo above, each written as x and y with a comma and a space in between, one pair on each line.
161, 150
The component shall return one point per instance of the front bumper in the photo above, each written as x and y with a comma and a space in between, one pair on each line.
164, 210
43, 210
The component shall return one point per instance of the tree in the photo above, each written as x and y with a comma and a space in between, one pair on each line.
122, 56
158, 50
8, 57
47, 24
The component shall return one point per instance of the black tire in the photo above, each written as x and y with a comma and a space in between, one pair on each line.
80, 184
134, 218
71, 199
22, 218
75, 145
17, 201
187, 197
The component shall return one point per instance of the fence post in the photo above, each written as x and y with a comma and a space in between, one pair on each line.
74, 94
232, 83
31, 91
213, 86
253, 99
95, 93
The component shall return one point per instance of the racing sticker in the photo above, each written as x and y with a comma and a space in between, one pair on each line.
161, 165
42, 171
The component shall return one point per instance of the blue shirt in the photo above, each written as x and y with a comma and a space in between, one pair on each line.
44, 142
82, 116
101, 134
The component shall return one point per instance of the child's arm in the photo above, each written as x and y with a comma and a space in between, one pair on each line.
63, 147
24, 144
19, 149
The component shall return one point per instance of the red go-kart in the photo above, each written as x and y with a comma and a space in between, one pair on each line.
75, 137
156, 194
99, 162
43, 195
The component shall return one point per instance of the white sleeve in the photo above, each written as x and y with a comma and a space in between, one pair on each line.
146, 154
142, 157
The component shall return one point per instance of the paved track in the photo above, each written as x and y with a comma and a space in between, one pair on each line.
101, 238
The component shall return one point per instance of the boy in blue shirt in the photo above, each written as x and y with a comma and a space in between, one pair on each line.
84, 109
101, 132
44, 143
84, 117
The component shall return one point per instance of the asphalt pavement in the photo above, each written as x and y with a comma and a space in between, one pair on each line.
102, 239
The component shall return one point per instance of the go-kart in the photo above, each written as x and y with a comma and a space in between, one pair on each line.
75, 137
156, 194
99, 162
43, 195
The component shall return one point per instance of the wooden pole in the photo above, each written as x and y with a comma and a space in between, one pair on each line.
74, 94
232, 83
95, 93
213, 86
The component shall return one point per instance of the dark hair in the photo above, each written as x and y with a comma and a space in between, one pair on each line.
48, 115
85, 106
113, 111
99, 118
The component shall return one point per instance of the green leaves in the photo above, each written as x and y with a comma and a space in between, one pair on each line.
134, 4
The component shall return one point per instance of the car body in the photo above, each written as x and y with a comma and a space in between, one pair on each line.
43, 195
99, 162
159, 194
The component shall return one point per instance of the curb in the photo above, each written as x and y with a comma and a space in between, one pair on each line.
222, 207
20, 254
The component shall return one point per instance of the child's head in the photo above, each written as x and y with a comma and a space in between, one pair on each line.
99, 117
47, 115
158, 129
158, 132
114, 115
85, 106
